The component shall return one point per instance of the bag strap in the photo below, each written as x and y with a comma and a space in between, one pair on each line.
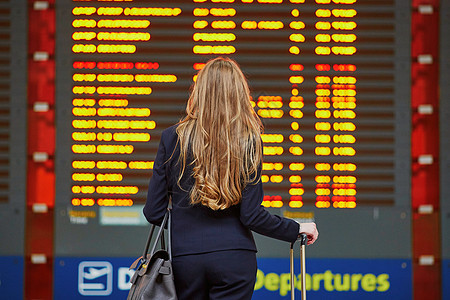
149, 240
144, 255
169, 233
160, 235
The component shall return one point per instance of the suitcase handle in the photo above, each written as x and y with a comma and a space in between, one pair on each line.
303, 240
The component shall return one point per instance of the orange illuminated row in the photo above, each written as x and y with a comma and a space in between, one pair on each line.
338, 151
296, 104
335, 1
272, 178
90, 23
337, 101
297, 38
296, 67
201, 24
270, 1
101, 202
103, 48
273, 203
102, 149
326, 138
214, 37
272, 166
295, 203
296, 150
294, 50
129, 11
112, 90
337, 114
339, 93
86, 102
107, 136
250, 1
336, 204
270, 104
346, 94
217, 12
198, 66
338, 13
340, 67
296, 191
109, 65
338, 179
338, 126
336, 167
272, 150
296, 113
88, 189
249, 25
296, 166
336, 192
111, 112
208, 49
113, 124
338, 25
344, 204
337, 50
297, 25
338, 38
271, 113
296, 79
295, 179
124, 77
337, 79
101, 102
111, 36
296, 138
123, 112
272, 138
90, 164
270, 98
268, 25
98, 177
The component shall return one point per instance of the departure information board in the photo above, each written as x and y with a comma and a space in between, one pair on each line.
322, 76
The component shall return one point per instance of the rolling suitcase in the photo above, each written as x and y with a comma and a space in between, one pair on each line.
303, 240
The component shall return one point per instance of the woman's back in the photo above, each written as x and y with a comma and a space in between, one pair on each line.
197, 228
210, 165
221, 134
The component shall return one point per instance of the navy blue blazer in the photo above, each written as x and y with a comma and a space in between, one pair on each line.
198, 229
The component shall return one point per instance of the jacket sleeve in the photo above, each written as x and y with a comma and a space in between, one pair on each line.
157, 195
257, 219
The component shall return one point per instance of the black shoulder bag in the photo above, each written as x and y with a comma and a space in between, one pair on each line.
153, 278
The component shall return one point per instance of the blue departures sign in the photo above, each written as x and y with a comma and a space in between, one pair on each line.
446, 279
94, 278
11, 277
337, 279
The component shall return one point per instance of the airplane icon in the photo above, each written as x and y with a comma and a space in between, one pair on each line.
95, 278
95, 273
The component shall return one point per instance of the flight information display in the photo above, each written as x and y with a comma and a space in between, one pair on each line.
321, 75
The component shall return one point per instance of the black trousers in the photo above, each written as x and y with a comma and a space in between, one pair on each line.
228, 274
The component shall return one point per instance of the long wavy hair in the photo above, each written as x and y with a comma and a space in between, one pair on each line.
221, 133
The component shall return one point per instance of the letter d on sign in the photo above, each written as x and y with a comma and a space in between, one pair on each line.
123, 278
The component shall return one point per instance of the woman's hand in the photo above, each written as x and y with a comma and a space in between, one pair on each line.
310, 230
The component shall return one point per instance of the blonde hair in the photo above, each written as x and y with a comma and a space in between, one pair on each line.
222, 134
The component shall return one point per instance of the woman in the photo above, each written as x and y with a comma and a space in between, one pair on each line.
210, 164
